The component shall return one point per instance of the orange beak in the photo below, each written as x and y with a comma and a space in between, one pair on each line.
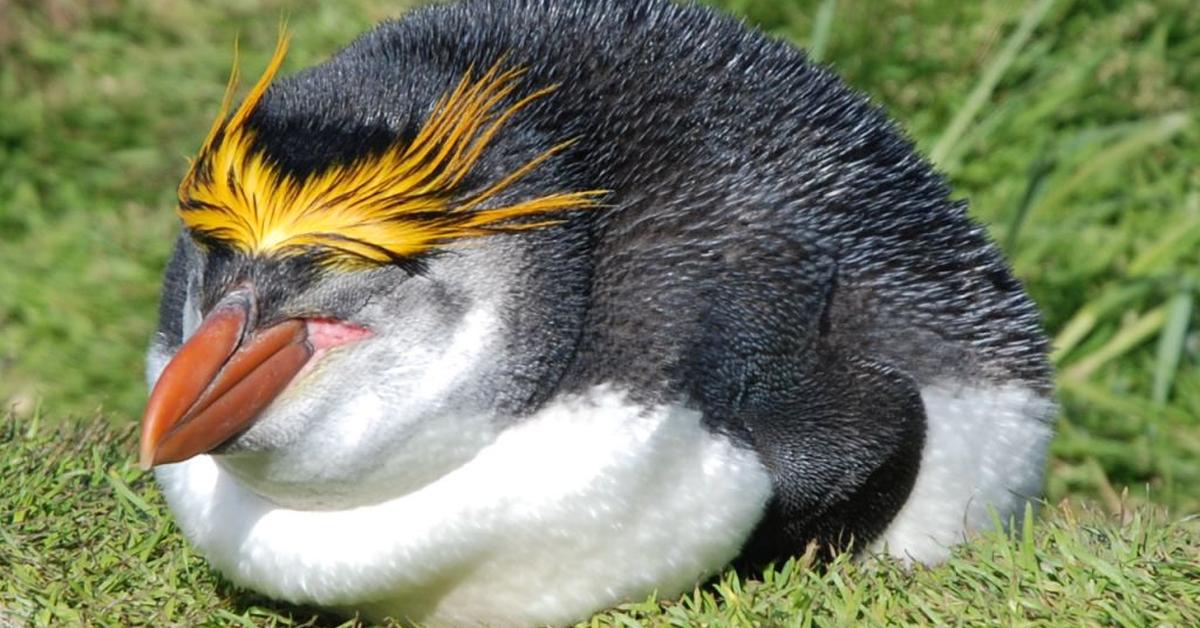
219, 381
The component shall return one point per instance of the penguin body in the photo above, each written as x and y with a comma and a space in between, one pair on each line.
755, 319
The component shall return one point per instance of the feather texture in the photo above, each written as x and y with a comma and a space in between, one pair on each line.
379, 208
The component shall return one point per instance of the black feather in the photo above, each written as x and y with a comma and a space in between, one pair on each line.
773, 250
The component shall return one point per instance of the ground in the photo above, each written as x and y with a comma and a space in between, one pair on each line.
1069, 126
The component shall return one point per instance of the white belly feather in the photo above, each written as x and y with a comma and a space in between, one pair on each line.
985, 448
591, 502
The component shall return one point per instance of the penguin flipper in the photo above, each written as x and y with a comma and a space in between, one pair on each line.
843, 455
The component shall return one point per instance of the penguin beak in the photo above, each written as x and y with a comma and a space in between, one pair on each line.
219, 381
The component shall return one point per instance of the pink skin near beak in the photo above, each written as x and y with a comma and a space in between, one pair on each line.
223, 377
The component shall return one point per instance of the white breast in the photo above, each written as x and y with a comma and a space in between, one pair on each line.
591, 502
985, 450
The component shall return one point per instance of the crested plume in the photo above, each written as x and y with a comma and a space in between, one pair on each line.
379, 208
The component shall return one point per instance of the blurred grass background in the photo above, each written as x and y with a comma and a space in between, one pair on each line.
1070, 125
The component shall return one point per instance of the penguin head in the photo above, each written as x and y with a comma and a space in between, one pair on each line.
351, 325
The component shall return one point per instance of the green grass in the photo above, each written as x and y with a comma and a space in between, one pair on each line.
1070, 125
86, 537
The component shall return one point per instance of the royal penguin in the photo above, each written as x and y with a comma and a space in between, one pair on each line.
514, 310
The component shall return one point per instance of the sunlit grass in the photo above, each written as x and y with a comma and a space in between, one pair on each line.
1070, 126
87, 538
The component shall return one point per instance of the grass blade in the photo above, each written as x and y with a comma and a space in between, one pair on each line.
1039, 172
1086, 318
822, 25
1142, 137
1171, 342
991, 76
1175, 243
1129, 337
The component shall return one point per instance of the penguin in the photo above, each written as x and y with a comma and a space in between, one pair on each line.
513, 310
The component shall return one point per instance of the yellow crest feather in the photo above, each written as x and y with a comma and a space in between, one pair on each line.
374, 210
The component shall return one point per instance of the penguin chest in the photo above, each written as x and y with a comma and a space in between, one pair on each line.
985, 448
590, 502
